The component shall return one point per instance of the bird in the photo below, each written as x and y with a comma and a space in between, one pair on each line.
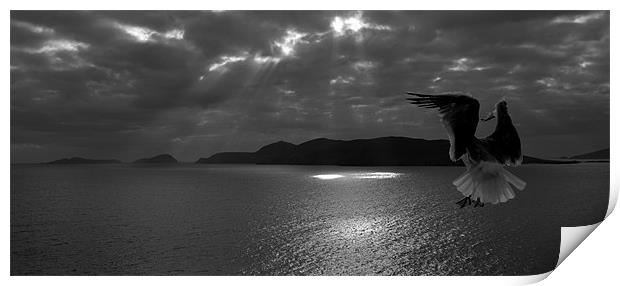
485, 180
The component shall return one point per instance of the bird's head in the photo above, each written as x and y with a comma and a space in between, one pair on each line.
500, 108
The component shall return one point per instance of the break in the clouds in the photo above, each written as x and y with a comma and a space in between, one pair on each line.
191, 83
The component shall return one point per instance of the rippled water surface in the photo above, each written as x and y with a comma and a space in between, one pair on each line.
191, 219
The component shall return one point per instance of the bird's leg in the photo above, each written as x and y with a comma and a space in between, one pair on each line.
464, 201
478, 203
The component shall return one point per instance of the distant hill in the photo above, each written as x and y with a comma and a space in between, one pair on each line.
78, 160
163, 158
600, 154
534, 160
383, 151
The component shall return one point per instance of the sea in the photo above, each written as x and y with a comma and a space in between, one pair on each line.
197, 219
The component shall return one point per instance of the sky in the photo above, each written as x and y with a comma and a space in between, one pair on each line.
134, 84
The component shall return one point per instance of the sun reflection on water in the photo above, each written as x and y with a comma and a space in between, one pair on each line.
376, 175
328, 176
368, 175
358, 228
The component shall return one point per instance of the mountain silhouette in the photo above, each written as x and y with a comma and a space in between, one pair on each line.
163, 158
78, 160
383, 151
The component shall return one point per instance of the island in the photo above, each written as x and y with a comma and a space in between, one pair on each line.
159, 159
596, 155
79, 160
382, 151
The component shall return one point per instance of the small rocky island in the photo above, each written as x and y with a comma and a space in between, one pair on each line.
159, 159
79, 160
596, 155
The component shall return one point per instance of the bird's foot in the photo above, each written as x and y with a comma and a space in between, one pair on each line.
467, 201
478, 203
464, 201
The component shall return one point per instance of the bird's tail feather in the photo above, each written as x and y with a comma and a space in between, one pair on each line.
489, 182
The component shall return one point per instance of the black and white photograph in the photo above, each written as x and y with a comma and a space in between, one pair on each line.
305, 142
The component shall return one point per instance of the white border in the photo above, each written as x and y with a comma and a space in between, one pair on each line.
593, 261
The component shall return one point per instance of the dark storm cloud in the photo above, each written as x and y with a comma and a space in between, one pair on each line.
135, 83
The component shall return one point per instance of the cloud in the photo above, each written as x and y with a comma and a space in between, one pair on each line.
130, 84
579, 19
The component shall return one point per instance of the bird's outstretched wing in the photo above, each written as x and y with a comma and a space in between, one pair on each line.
459, 114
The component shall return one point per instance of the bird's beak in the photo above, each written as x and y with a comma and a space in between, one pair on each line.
489, 117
